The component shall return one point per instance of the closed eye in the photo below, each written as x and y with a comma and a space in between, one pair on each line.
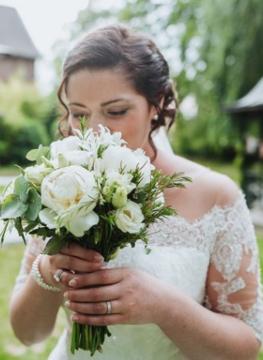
117, 113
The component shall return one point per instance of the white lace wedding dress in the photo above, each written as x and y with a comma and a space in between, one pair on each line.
222, 242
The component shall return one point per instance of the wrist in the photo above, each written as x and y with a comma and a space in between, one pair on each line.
46, 274
37, 276
168, 302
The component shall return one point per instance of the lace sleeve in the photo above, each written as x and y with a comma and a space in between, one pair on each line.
33, 248
233, 282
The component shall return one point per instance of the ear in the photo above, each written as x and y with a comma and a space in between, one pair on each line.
153, 109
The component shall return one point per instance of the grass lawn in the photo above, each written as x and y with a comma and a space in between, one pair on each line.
8, 170
10, 348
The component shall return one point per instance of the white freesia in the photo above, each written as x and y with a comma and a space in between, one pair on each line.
129, 218
69, 187
37, 173
115, 158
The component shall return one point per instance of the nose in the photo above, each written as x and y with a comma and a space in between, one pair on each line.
95, 121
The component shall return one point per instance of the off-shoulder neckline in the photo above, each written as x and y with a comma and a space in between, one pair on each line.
213, 210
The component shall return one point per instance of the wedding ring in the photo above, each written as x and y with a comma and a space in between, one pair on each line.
109, 307
57, 275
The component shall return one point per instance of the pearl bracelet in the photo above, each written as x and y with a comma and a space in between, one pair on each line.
38, 277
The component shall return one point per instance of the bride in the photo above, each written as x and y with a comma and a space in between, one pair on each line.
197, 294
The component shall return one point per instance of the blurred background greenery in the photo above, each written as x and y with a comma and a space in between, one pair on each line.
214, 49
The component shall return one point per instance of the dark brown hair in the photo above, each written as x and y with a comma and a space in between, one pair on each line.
117, 46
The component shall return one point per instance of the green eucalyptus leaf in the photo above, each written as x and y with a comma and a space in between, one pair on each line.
34, 205
19, 228
36, 154
54, 245
12, 207
21, 188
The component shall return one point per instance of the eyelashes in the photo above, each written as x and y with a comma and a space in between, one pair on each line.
110, 113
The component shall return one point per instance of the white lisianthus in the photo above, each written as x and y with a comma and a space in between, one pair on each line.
75, 157
116, 158
75, 222
69, 143
37, 173
129, 218
119, 198
69, 187
115, 179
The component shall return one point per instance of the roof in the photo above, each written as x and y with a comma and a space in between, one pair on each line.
252, 101
14, 38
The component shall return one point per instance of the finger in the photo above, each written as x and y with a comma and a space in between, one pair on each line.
81, 252
67, 262
100, 277
98, 320
99, 308
96, 294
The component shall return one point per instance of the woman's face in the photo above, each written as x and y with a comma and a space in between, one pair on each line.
107, 98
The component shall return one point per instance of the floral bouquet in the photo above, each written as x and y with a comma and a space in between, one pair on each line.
90, 189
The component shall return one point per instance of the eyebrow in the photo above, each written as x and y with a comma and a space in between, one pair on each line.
103, 104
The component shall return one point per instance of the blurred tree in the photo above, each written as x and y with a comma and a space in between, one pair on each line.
214, 50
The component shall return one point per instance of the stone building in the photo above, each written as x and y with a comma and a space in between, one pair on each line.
17, 51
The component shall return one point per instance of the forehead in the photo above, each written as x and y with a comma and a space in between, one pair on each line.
99, 85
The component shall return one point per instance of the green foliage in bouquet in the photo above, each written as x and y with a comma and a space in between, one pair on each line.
112, 196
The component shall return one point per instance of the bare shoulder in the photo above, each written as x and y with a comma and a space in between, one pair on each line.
207, 188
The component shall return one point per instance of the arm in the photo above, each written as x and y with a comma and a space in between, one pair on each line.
234, 326
203, 334
33, 310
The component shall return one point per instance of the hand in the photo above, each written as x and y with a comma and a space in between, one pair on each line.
134, 296
72, 258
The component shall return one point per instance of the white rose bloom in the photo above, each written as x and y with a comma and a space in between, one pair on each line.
36, 173
115, 157
69, 187
69, 143
129, 218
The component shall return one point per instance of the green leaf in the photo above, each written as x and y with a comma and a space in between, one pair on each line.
21, 188
34, 205
55, 244
36, 154
2, 235
12, 207
19, 228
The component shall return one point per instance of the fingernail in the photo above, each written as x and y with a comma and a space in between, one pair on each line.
74, 317
98, 258
67, 303
104, 265
72, 282
66, 295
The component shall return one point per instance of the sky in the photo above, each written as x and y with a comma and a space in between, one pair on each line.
46, 21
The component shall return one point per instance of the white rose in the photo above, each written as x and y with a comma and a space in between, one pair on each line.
129, 218
69, 143
69, 187
36, 173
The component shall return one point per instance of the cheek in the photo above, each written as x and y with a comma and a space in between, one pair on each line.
136, 131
